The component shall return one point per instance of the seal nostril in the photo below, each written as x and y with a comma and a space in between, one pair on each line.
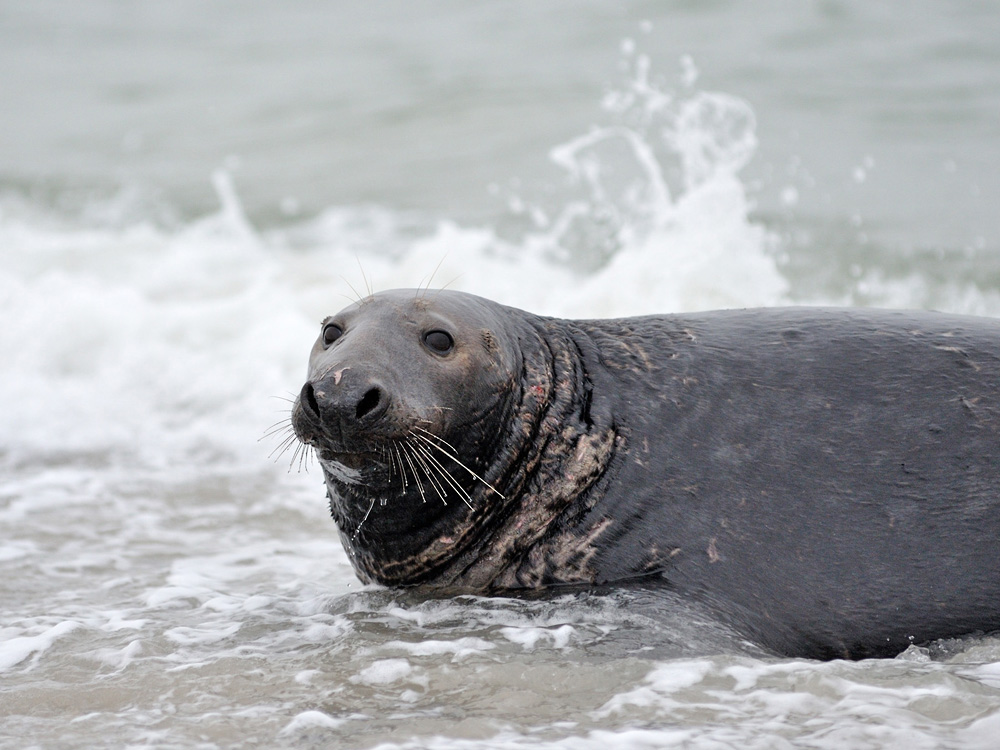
308, 398
368, 402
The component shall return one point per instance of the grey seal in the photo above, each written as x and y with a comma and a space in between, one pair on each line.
827, 481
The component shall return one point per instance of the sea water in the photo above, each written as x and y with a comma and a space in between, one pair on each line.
186, 190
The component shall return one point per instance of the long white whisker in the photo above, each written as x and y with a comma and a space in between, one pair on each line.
387, 458
435, 438
295, 454
304, 458
445, 475
422, 463
283, 446
279, 426
402, 468
416, 479
357, 297
427, 469
453, 457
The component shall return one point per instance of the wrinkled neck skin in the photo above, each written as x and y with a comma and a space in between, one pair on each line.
540, 446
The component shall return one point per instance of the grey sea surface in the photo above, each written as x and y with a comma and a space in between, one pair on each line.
186, 189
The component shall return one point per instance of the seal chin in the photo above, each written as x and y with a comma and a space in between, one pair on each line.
348, 464
344, 468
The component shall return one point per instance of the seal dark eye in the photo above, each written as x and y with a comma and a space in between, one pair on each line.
331, 332
439, 342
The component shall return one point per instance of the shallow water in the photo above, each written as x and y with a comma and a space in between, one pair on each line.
186, 190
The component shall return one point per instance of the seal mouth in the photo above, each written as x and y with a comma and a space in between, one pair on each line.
355, 460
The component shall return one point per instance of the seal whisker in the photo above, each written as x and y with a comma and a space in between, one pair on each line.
387, 458
416, 479
295, 455
364, 277
452, 455
270, 429
283, 446
445, 475
445, 286
287, 429
277, 428
422, 289
428, 473
357, 297
399, 462
284, 430
304, 454
420, 461
435, 438
395, 464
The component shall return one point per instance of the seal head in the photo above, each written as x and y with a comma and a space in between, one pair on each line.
430, 414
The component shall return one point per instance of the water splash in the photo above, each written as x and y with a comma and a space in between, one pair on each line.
656, 218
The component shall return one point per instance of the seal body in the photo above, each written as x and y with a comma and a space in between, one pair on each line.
826, 480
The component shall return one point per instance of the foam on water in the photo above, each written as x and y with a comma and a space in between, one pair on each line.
167, 583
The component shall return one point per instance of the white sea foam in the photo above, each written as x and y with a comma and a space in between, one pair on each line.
384, 671
310, 720
14, 649
529, 637
458, 648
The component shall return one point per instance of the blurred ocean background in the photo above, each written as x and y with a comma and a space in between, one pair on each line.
186, 189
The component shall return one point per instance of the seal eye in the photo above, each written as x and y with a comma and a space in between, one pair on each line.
331, 332
439, 342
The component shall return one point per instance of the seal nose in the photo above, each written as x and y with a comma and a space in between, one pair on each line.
352, 408
308, 399
368, 403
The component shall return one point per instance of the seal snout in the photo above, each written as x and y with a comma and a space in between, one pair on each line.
346, 408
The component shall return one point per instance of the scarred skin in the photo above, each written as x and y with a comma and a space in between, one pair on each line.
826, 480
